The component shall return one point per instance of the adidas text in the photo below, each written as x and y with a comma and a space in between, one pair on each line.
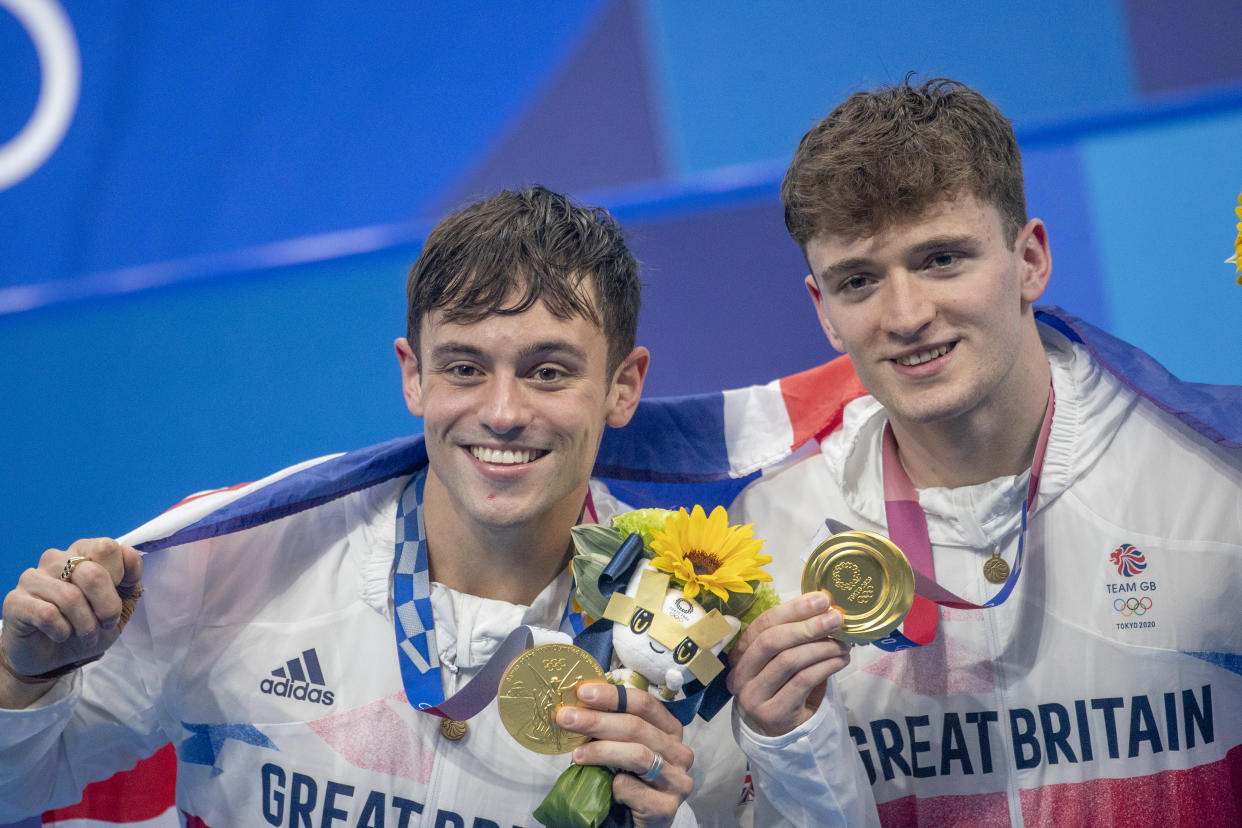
301, 690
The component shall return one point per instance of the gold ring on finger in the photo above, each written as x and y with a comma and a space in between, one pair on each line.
66, 574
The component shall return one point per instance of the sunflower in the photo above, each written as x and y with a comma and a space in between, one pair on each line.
707, 554
1237, 244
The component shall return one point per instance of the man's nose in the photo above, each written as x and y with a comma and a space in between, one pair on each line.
505, 407
908, 309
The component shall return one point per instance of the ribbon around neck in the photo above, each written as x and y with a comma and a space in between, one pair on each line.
414, 626
907, 527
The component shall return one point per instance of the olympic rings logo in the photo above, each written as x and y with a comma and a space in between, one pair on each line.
60, 66
846, 575
1132, 606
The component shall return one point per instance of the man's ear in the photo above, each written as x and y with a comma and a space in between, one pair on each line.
411, 386
818, 300
627, 387
1032, 246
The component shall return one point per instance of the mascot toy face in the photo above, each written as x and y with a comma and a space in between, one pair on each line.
664, 636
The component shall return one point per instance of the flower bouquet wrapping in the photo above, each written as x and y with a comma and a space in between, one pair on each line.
669, 592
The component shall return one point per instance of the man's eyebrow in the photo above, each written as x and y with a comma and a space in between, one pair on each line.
847, 266
552, 347
969, 240
453, 350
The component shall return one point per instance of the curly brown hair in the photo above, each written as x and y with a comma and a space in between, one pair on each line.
505, 253
891, 153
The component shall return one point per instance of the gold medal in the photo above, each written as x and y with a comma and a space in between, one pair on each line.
869, 579
535, 685
995, 569
452, 730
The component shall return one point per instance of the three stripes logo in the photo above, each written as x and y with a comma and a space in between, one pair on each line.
299, 678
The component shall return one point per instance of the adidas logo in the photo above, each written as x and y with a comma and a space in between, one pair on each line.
299, 678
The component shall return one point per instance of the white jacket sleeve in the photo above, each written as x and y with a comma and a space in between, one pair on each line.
76, 734
684, 818
110, 714
810, 777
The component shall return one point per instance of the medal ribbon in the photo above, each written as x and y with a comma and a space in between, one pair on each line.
414, 622
907, 527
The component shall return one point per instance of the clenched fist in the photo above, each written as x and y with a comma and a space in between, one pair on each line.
64, 613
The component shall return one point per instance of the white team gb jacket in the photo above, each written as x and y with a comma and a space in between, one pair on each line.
1107, 689
264, 650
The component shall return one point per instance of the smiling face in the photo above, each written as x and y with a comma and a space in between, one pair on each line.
513, 409
935, 312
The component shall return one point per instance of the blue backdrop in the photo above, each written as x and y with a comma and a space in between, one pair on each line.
207, 210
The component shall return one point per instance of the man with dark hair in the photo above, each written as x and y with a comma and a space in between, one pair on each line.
1074, 508
295, 635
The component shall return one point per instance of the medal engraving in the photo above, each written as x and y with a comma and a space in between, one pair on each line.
856, 589
869, 579
452, 730
535, 685
995, 569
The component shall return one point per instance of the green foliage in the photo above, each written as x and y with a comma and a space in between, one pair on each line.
641, 521
594, 546
766, 597
580, 798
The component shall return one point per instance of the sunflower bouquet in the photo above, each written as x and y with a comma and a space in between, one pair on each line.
696, 556
678, 588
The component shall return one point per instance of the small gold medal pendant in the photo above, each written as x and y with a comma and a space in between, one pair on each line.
452, 730
995, 569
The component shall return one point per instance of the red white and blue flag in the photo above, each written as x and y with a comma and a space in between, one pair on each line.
676, 451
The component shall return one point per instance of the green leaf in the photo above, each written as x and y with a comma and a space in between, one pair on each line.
765, 598
594, 546
580, 798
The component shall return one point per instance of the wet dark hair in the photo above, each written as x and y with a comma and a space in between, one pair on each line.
505, 253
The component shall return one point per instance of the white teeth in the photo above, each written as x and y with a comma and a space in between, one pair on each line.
504, 457
923, 356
